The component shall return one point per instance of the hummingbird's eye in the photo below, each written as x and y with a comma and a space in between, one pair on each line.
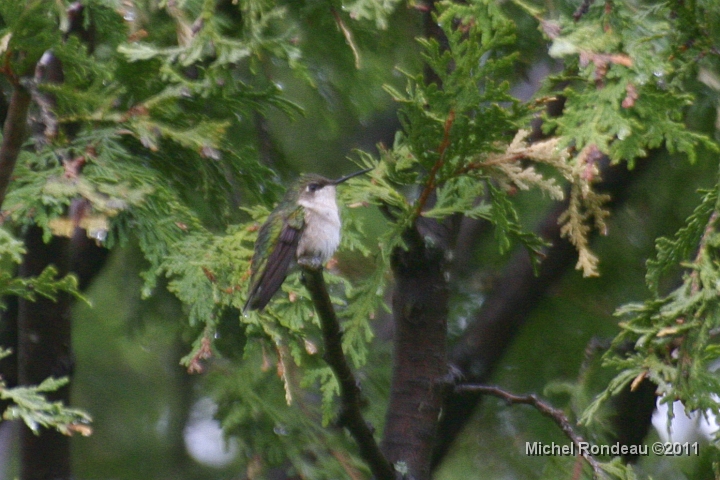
313, 187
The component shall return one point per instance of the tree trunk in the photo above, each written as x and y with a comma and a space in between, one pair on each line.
44, 342
420, 308
44, 351
44, 326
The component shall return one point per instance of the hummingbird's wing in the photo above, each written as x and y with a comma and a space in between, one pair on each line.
269, 275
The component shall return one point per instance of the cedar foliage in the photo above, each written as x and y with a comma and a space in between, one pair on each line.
29, 403
164, 111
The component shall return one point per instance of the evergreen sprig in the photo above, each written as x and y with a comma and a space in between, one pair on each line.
30, 405
377, 11
252, 405
673, 335
625, 94
627, 71
45, 285
461, 137
626, 91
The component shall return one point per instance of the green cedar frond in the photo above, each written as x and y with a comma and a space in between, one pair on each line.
673, 334
376, 11
455, 141
11, 249
250, 397
30, 28
45, 285
671, 252
30, 405
626, 92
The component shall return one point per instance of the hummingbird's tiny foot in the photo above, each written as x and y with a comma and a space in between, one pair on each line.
310, 262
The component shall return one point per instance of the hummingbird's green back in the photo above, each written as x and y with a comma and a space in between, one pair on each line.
275, 249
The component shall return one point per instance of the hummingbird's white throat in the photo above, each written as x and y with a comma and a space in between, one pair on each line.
321, 235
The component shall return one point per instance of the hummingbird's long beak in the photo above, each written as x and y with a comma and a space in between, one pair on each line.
348, 177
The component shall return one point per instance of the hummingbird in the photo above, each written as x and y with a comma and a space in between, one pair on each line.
303, 229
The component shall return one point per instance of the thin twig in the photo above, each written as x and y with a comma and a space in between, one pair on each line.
432, 176
556, 415
347, 34
351, 400
13, 136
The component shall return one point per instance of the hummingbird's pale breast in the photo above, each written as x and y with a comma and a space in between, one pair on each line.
321, 235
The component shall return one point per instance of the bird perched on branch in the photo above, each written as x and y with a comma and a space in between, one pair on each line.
304, 228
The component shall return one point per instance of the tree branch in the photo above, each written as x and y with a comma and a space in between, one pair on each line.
482, 345
350, 416
347, 33
556, 415
13, 136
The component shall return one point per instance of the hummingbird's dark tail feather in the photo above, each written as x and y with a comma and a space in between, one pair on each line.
276, 269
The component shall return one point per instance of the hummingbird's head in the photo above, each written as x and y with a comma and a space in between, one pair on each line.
315, 188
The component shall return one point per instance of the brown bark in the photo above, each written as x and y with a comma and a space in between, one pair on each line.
351, 400
44, 351
44, 343
420, 308
44, 326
